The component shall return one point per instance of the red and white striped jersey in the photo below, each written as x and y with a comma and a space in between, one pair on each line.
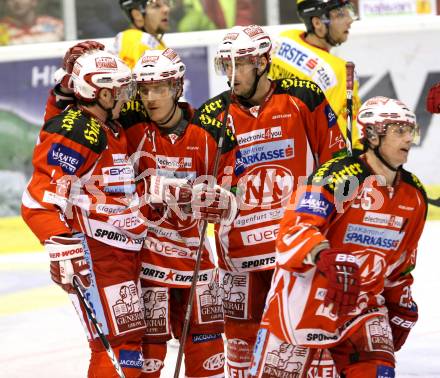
380, 225
280, 141
83, 182
170, 247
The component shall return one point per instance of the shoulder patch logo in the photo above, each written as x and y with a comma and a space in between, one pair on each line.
298, 83
69, 119
69, 160
91, 133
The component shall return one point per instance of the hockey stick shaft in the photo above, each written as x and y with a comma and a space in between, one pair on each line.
189, 306
350, 84
90, 313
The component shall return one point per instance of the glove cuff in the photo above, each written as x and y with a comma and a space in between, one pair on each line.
59, 252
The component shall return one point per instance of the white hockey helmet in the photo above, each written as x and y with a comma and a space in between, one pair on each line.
157, 66
98, 69
242, 41
378, 113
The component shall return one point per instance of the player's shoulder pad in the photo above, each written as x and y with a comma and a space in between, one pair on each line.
132, 112
413, 180
307, 91
73, 124
206, 117
216, 105
336, 172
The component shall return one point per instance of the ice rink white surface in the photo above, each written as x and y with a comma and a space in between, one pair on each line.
40, 334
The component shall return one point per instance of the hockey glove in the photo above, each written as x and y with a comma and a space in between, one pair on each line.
168, 191
63, 74
215, 205
401, 321
66, 256
433, 99
342, 272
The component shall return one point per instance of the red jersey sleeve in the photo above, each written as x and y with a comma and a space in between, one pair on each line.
313, 206
59, 161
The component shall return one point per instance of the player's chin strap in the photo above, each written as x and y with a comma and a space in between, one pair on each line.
171, 115
382, 159
244, 99
108, 111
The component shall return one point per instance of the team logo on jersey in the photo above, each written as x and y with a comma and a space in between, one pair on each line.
315, 203
266, 187
266, 152
259, 135
209, 302
123, 299
373, 237
64, 157
235, 288
255, 110
380, 219
156, 310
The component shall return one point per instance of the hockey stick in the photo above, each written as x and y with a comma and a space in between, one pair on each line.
350, 83
434, 201
90, 313
189, 306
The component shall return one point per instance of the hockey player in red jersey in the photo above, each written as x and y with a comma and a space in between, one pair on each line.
345, 252
81, 203
170, 150
284, 130
169, 153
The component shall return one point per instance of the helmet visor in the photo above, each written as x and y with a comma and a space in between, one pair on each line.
405, 128
224, 66
156, 91
125, 92
344, 12
159, 3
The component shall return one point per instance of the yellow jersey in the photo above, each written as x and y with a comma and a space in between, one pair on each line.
293, 56
131, 44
